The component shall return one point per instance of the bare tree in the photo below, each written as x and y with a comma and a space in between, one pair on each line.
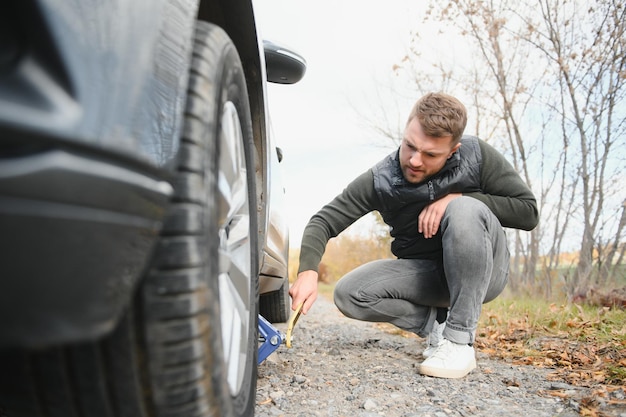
548, 78
585, 44
610, 259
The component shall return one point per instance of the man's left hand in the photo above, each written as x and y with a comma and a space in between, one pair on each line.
429, 219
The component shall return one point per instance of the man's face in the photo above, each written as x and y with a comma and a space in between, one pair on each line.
423, 156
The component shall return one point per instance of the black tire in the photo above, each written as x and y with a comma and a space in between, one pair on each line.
275, 306
214, 214
171, 355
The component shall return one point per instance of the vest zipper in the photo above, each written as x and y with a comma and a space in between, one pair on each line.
431, 191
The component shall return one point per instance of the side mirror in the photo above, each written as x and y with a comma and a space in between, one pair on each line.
283, 66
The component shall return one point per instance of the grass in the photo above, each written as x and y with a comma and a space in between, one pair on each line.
558, 319
583, 344
326, 290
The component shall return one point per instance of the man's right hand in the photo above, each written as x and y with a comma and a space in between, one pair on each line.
304, 290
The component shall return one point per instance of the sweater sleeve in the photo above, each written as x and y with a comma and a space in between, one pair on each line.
356, 200
504, 191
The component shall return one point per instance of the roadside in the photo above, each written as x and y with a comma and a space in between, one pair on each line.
342, 367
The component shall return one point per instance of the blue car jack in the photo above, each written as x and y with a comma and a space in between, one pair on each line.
271, 338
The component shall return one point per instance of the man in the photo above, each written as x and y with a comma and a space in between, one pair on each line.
446, 199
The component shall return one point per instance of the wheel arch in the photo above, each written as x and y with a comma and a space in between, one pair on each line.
237, 19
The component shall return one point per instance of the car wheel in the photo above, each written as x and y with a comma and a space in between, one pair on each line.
205, 280
275, 306
189, 344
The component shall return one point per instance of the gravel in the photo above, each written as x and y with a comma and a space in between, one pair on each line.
343, 367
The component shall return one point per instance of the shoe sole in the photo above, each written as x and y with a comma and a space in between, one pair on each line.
447, 373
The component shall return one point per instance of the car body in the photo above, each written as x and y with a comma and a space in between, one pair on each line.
125, 176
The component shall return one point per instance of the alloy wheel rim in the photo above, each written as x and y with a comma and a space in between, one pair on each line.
234, 247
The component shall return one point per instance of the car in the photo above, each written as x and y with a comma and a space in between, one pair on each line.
141, 229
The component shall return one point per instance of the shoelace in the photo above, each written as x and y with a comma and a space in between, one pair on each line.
443, 351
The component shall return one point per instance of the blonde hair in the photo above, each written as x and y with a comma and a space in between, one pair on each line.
440, 115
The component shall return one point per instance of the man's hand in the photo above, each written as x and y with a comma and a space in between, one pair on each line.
429, 219
304, 290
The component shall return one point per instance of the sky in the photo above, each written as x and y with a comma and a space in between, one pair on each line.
324, 123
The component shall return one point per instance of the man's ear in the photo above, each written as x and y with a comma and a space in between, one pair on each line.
456, 148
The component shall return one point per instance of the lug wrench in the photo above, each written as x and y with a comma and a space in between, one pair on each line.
272, 338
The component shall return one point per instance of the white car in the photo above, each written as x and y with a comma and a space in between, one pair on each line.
139, 202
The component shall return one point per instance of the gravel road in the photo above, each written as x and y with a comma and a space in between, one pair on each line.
343, 367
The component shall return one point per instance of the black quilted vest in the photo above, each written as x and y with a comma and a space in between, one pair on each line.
402, 202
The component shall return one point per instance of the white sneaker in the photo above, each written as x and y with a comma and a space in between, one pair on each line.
435, 338
450, 360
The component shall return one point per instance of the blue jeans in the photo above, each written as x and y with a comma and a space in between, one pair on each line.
406, 292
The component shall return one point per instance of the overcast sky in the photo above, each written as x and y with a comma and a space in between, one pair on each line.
323, 122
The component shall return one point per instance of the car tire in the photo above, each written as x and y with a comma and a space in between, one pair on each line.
188, 346
275, 306
205, 277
